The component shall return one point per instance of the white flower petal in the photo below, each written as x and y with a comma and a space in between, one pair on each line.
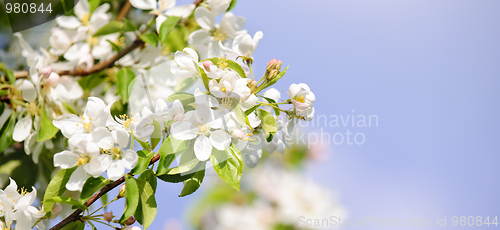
204, 18
116, 170
144, 4
68, 22
184, 130
220, 139
77, 179
28, 91
129, 159
65, 159
22, 129
181, 11
202, 148
76, 51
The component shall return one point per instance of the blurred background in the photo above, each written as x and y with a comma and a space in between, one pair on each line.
428, 71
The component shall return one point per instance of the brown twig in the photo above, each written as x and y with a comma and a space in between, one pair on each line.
21, 74
76, 215
124, 11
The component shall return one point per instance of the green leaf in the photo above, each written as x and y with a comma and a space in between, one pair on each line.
202, 74
123, 79
166, 27
56, 187
146, 210
69, 107
156, 135
67, 200
268, 122
150, 177
93, 5
249, 111
115, 47
8, 73
185, 98
241, 116
228, 165
192, 184
184, 84
271, 101
128, 26
150, 38
92, 81
77, 225
144, 145
6, 133
170, 149
131, 198
47, 129
231, 6
236, 67
110, 28
143, 162
91, 186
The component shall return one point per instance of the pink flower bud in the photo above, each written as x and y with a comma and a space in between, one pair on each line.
271, 64
251, 84
122, 192
129, 221
207, 64
278, 64
53, 79
238, 134
108, 216
56, 210
46, 71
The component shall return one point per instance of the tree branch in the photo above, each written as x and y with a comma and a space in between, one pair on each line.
76, 215
124, 10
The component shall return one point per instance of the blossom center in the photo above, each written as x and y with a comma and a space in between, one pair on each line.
219, 35
203, 129
83, 159
85, 19
86, 125
300, 99
164, 4
116, 152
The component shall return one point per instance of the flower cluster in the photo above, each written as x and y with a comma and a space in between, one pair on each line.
15, 206
180, 85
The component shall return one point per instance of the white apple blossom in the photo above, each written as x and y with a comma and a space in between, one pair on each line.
244, 45
303, 100
95, 115
230, 85
211, 34
202, 125
163, 8
17, 207
118, 156
84, 154
186, 63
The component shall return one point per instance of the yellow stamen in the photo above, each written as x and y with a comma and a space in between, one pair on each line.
85, 19
300, 99
83, 159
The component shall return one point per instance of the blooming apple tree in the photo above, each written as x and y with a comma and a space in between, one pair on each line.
123, 90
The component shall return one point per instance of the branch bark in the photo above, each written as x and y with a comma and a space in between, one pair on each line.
76, 215
123, 12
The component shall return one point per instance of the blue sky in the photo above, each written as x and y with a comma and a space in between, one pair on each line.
428, 69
